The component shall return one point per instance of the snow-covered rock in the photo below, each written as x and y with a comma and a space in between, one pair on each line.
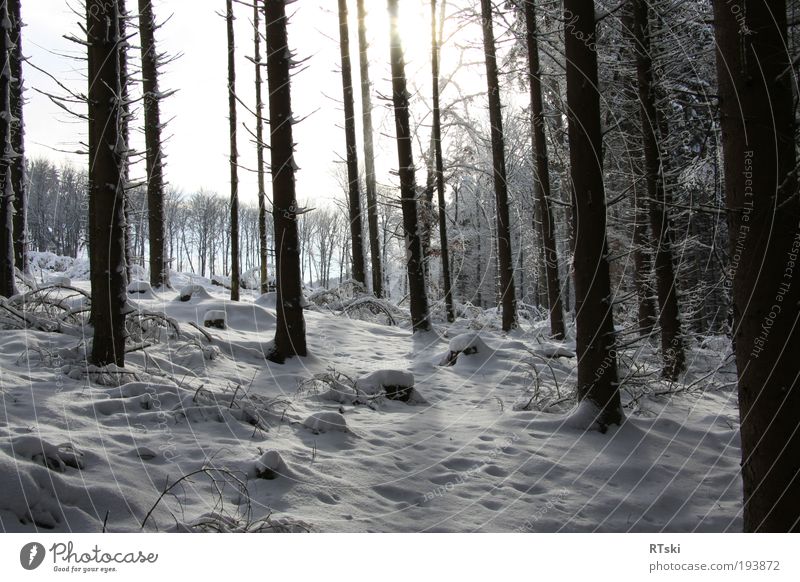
395, 384
326, 421
141, 290
214, 318
467, 344
193, 292
271, 466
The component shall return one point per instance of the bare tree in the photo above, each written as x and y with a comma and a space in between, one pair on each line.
756, 80
107, 188
234, 158
597, 361
408, 192
354, 192
7, 286
369, 155
504, 254
290, 331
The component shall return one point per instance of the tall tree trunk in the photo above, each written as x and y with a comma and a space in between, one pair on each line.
106, 185
758, 141
547, 226
234, 159
354, 191
290, 331
159, 265
504, 254
262, 192
597, 361
369, 155
124, 81
668, 316
18, 139
7, 285
408, 191
646, 308
437, 151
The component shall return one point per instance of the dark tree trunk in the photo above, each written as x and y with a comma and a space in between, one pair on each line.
547, 226
106, 184
262, 192
437, 152
18, 139
234, 159
646, 308
504, 254
290, 332
369, 156
408, 190
7, 286
124, 128
758, 139
668, 316
597, 361
159, 266
354, 191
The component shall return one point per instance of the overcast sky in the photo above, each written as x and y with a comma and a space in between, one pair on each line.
198, 144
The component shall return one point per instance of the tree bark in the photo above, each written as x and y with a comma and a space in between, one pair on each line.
437, 152
234, 158
369, 155
408, 191
354, 191
290, 332
106, 184
262, 192
504, 254
547, 227
159, 265
755, 79
597, 361
7, 283
18, 139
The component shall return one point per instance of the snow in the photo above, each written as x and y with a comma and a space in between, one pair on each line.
496, 439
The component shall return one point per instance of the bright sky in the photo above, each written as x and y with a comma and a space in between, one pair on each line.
198, 145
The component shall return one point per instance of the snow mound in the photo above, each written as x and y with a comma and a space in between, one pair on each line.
61, 280
467, 344
552, 351
326, 421
214, 319
395, 384
268, 300
271, 466
141, 290
193, 292
57, 458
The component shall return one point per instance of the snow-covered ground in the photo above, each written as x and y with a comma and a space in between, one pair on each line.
199, 432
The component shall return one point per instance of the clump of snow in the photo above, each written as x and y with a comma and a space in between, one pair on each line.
193, 292
395, 384
271, 466
467, 344
268, 300
553, 350
141, 290
214, 319
57, 458
326, 421
62, 280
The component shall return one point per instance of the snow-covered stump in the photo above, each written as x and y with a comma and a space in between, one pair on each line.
190, 292
215, 319
394, 384
271, 466
140, 290
467, 344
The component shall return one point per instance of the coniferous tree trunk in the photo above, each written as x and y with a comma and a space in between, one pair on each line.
18, 180
124, 128
408, 191
106, 184
369, 155
668, 317
646, 308
234, 158
290, 332
159, 265
262, 192
437, 152
7, 285
755, 79
597, 361
354, 191
504, 254
547, 226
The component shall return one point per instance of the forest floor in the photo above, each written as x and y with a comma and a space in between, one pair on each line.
200, 433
